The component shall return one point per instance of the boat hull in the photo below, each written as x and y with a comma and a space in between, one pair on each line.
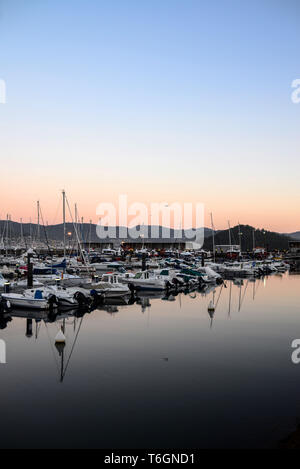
26, 303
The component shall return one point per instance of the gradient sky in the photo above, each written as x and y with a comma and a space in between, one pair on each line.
173, 100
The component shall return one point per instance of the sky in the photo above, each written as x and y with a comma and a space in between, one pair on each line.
164, 101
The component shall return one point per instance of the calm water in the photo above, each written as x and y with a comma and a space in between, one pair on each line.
159, 374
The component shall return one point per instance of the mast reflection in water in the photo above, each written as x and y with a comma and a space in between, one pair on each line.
156, 371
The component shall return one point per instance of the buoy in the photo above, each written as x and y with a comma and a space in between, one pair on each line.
211, 306
60, 337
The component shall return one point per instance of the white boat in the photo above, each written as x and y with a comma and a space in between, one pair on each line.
45, 278
23, 283
110, 287
106, 266
211, 275
125, 277
65, 297
67, 279
147, 281
240, 268
281, 266
22, 301
170, 276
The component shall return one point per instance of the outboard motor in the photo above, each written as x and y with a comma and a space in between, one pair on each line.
53, 302
5, 309
81, 299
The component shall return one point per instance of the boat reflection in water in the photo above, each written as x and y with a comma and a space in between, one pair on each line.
69, 321
220, 351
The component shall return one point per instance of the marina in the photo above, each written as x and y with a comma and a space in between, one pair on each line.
143, 334
149, 228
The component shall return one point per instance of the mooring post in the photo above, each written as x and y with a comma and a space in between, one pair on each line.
29, 270
143, 261
28, 327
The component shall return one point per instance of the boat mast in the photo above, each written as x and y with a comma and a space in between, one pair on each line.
90, 236
7, 235
64, 220
240, 239
30, 236
21, 227
213, 230
229, 233
38, 221
82, 232
76, 221
10, 232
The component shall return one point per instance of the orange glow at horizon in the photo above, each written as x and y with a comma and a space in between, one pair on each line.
256, 210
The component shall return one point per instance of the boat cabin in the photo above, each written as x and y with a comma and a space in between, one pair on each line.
143, 275
110, 278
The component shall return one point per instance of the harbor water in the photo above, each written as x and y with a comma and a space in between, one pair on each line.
161, 372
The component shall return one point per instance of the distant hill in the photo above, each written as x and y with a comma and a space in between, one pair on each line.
295, 235
85, 231
263, 238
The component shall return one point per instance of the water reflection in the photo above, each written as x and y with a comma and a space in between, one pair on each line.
70, 321
210, 293
189, 375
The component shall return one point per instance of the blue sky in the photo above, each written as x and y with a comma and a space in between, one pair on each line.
177, 100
